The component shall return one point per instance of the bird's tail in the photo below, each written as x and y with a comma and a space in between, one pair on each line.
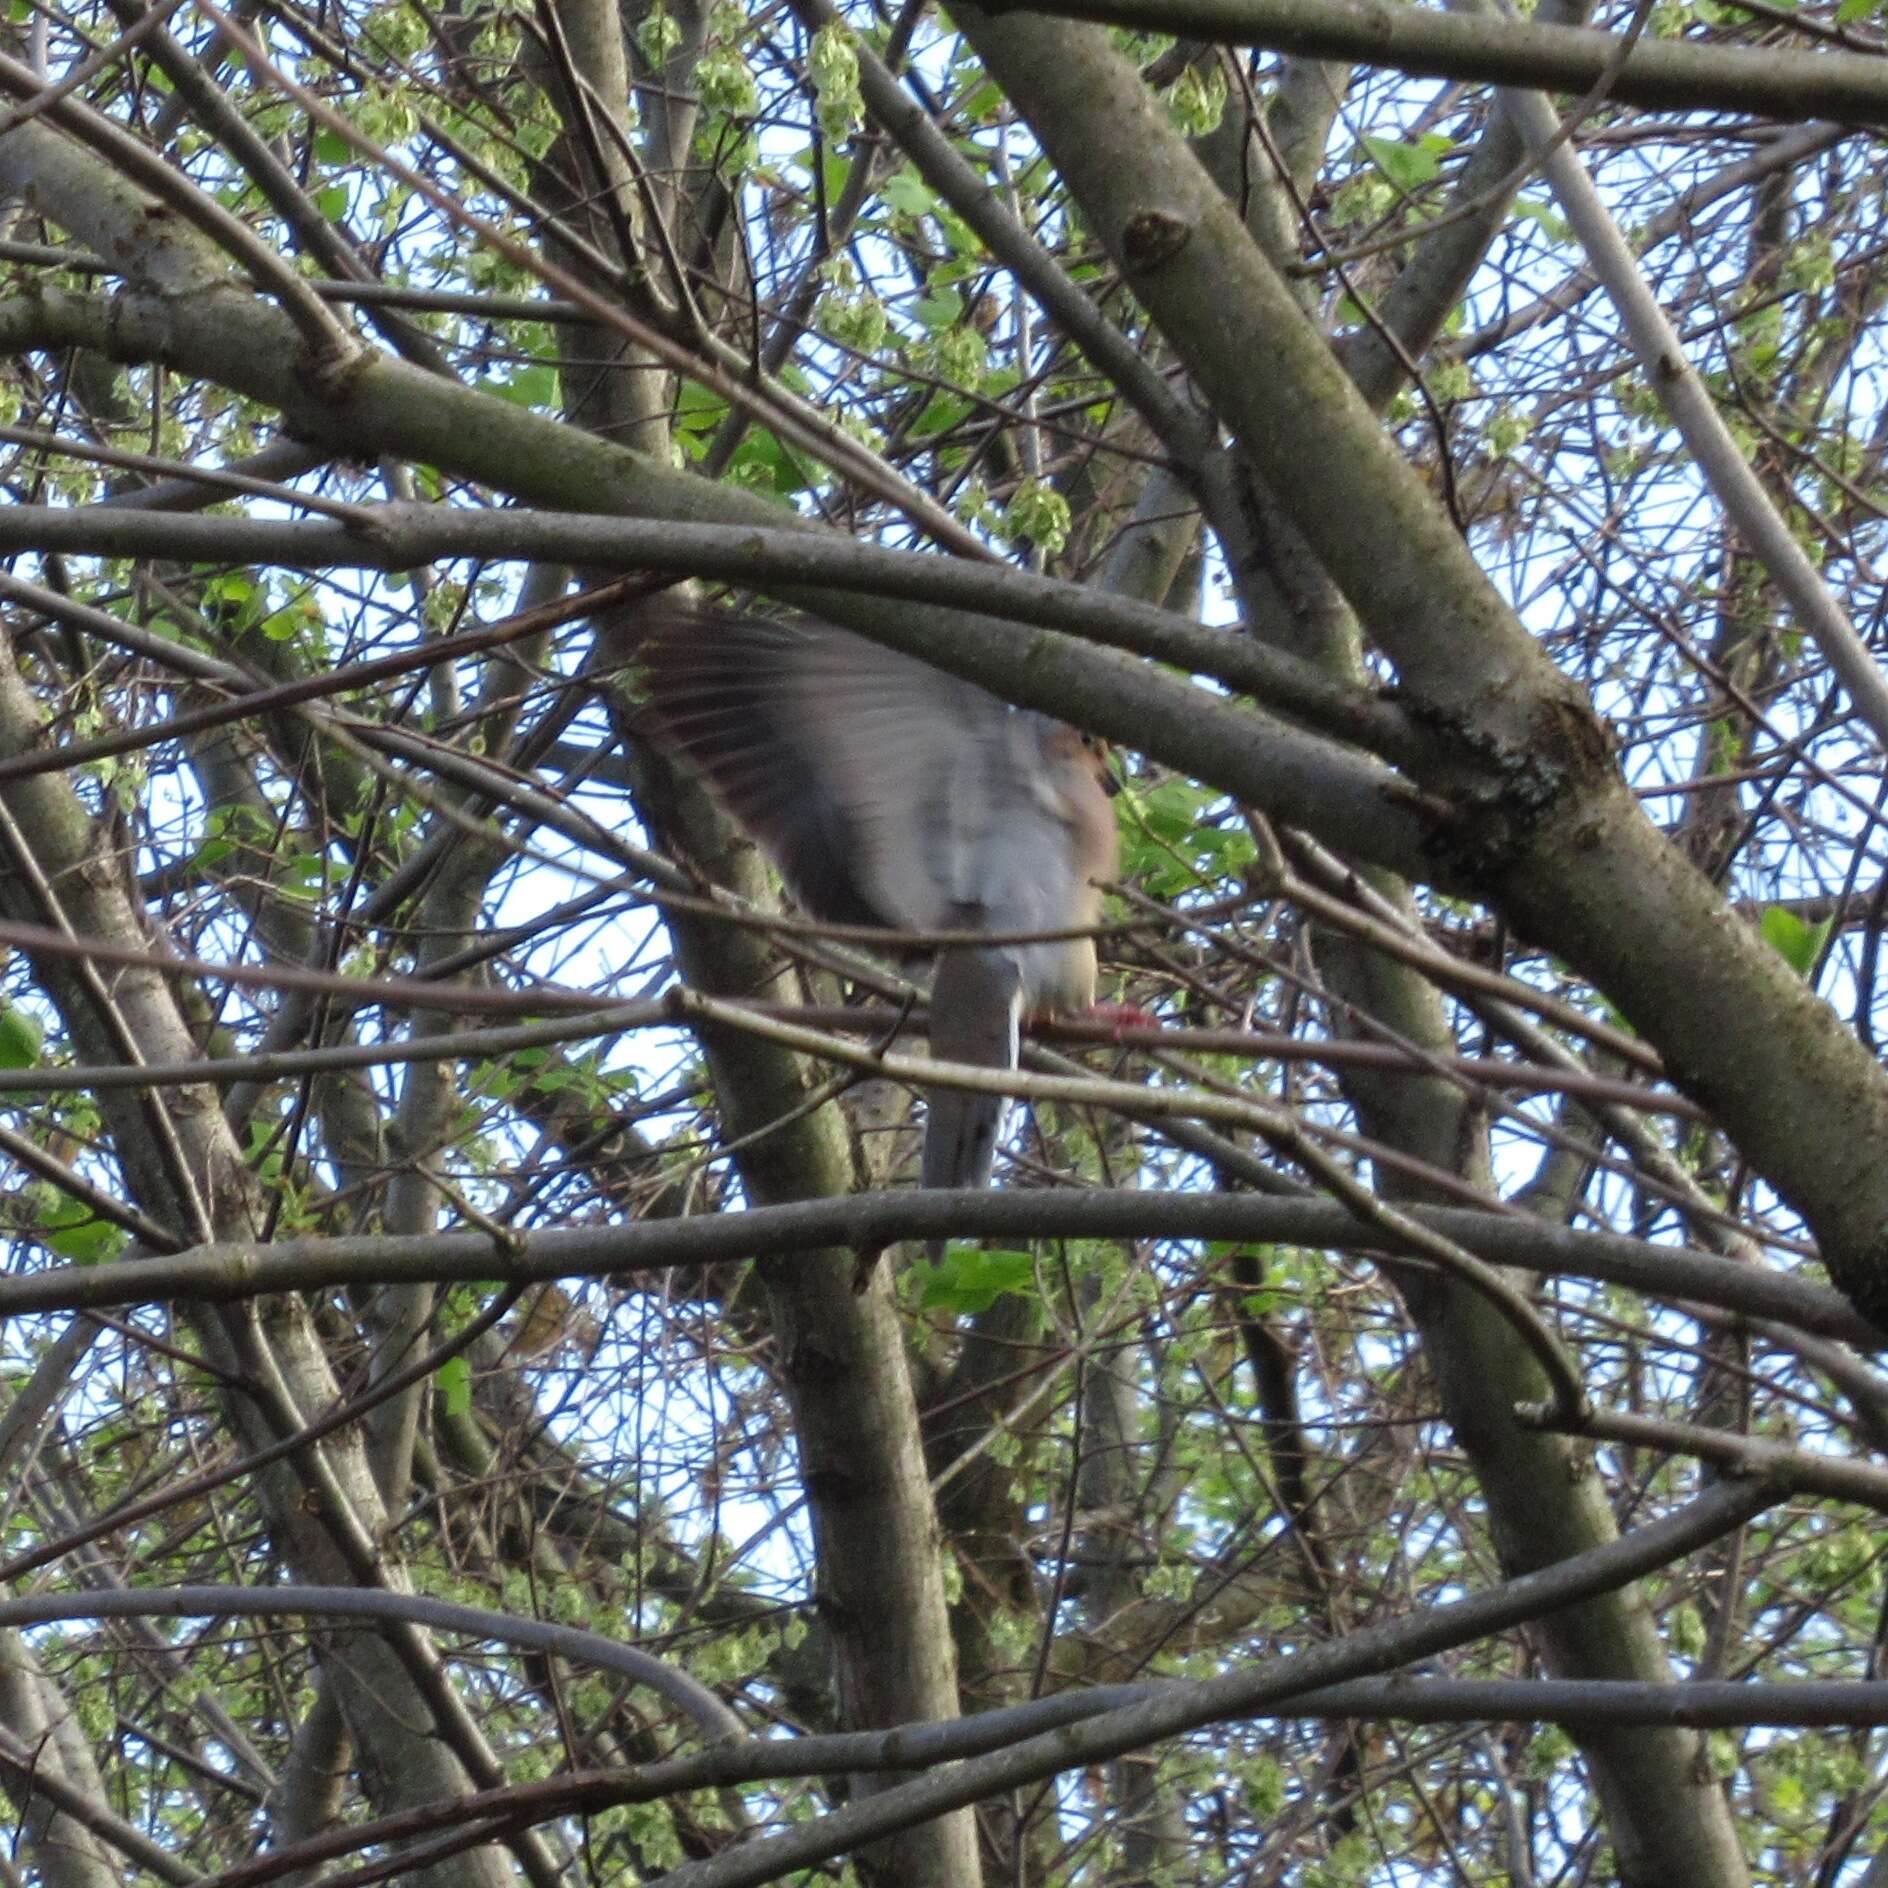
976, 1002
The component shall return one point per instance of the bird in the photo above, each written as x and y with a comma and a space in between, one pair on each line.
889, 793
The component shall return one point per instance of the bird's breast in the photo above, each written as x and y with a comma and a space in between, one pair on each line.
1057, 977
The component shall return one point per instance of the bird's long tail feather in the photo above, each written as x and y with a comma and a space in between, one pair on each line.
976, 1003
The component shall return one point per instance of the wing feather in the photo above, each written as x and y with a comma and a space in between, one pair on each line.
866, 773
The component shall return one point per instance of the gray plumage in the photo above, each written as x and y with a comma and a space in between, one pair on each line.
890, 793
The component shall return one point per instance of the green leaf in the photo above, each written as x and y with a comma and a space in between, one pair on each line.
454, 1381
908, 193
940, 309
1797, 943
1265, 1790
1551, 225
232, 588
20, 1039
980, 104
529, 386
833, 64
658, 36
968, 1280
726, 82
941, 412
1686, 1629
762, 452
697, 411
1038, 514
1197, 100
75, 1232
1406, 165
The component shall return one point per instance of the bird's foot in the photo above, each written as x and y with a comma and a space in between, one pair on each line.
1118, 1016
1121, 1016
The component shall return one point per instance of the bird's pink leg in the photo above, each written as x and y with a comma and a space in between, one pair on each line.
1123, 1017
1119, 1016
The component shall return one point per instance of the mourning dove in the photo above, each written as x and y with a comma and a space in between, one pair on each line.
889, 793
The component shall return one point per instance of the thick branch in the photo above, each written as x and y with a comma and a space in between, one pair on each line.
871, 1222
1675, 75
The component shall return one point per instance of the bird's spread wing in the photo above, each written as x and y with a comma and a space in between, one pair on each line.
890, 792
873, 779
